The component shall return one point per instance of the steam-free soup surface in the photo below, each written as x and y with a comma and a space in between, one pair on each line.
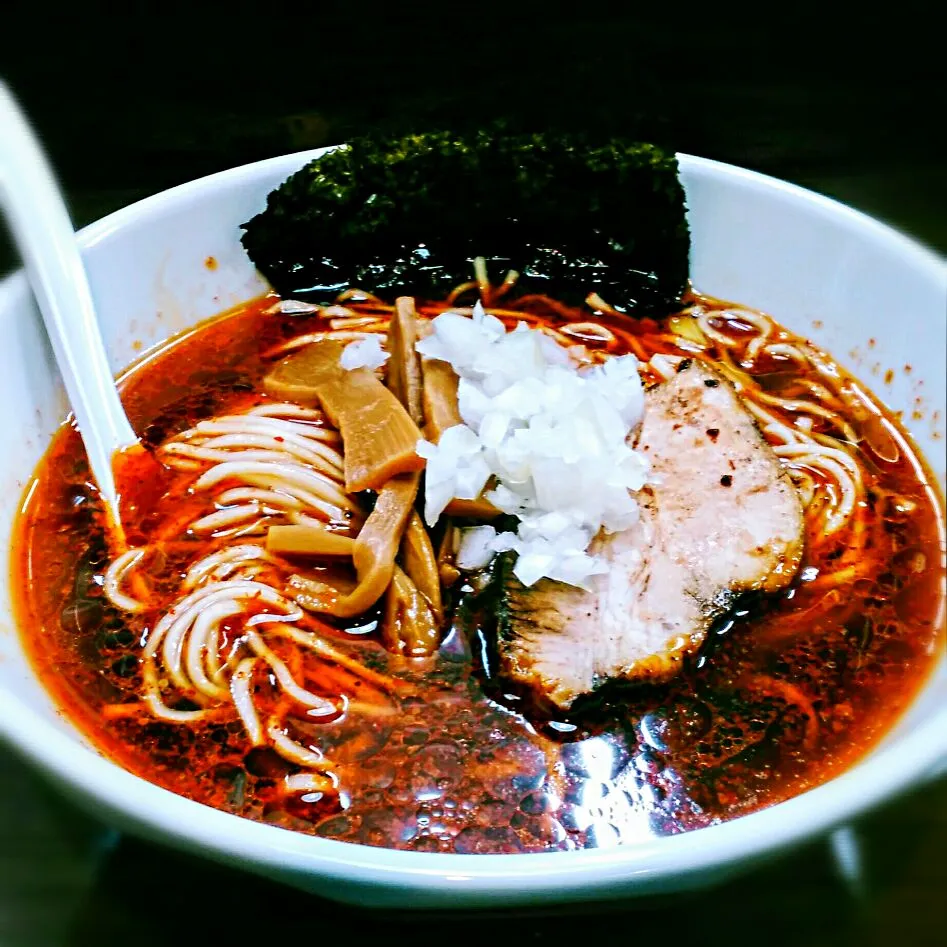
788, 692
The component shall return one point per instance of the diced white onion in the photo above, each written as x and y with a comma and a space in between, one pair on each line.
476, 547
549, 433
363, 353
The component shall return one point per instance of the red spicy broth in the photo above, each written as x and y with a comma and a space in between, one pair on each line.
789, 693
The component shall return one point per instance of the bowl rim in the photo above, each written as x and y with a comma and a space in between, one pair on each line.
192, 825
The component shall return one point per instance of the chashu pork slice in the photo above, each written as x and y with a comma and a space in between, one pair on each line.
721, 517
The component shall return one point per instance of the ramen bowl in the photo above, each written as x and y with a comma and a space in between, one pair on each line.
870, 296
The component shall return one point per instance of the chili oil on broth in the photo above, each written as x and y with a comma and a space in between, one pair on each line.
786, 693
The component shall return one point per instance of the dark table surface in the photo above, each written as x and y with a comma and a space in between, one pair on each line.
849, 108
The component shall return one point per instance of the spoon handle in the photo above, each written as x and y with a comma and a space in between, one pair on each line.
44, 235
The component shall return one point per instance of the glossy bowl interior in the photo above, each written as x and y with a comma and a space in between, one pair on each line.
873, 298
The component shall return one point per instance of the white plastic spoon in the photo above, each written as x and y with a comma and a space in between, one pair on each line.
43, 234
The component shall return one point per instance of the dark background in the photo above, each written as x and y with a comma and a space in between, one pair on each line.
134, 98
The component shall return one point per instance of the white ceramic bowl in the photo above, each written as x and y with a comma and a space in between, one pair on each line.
820, 268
